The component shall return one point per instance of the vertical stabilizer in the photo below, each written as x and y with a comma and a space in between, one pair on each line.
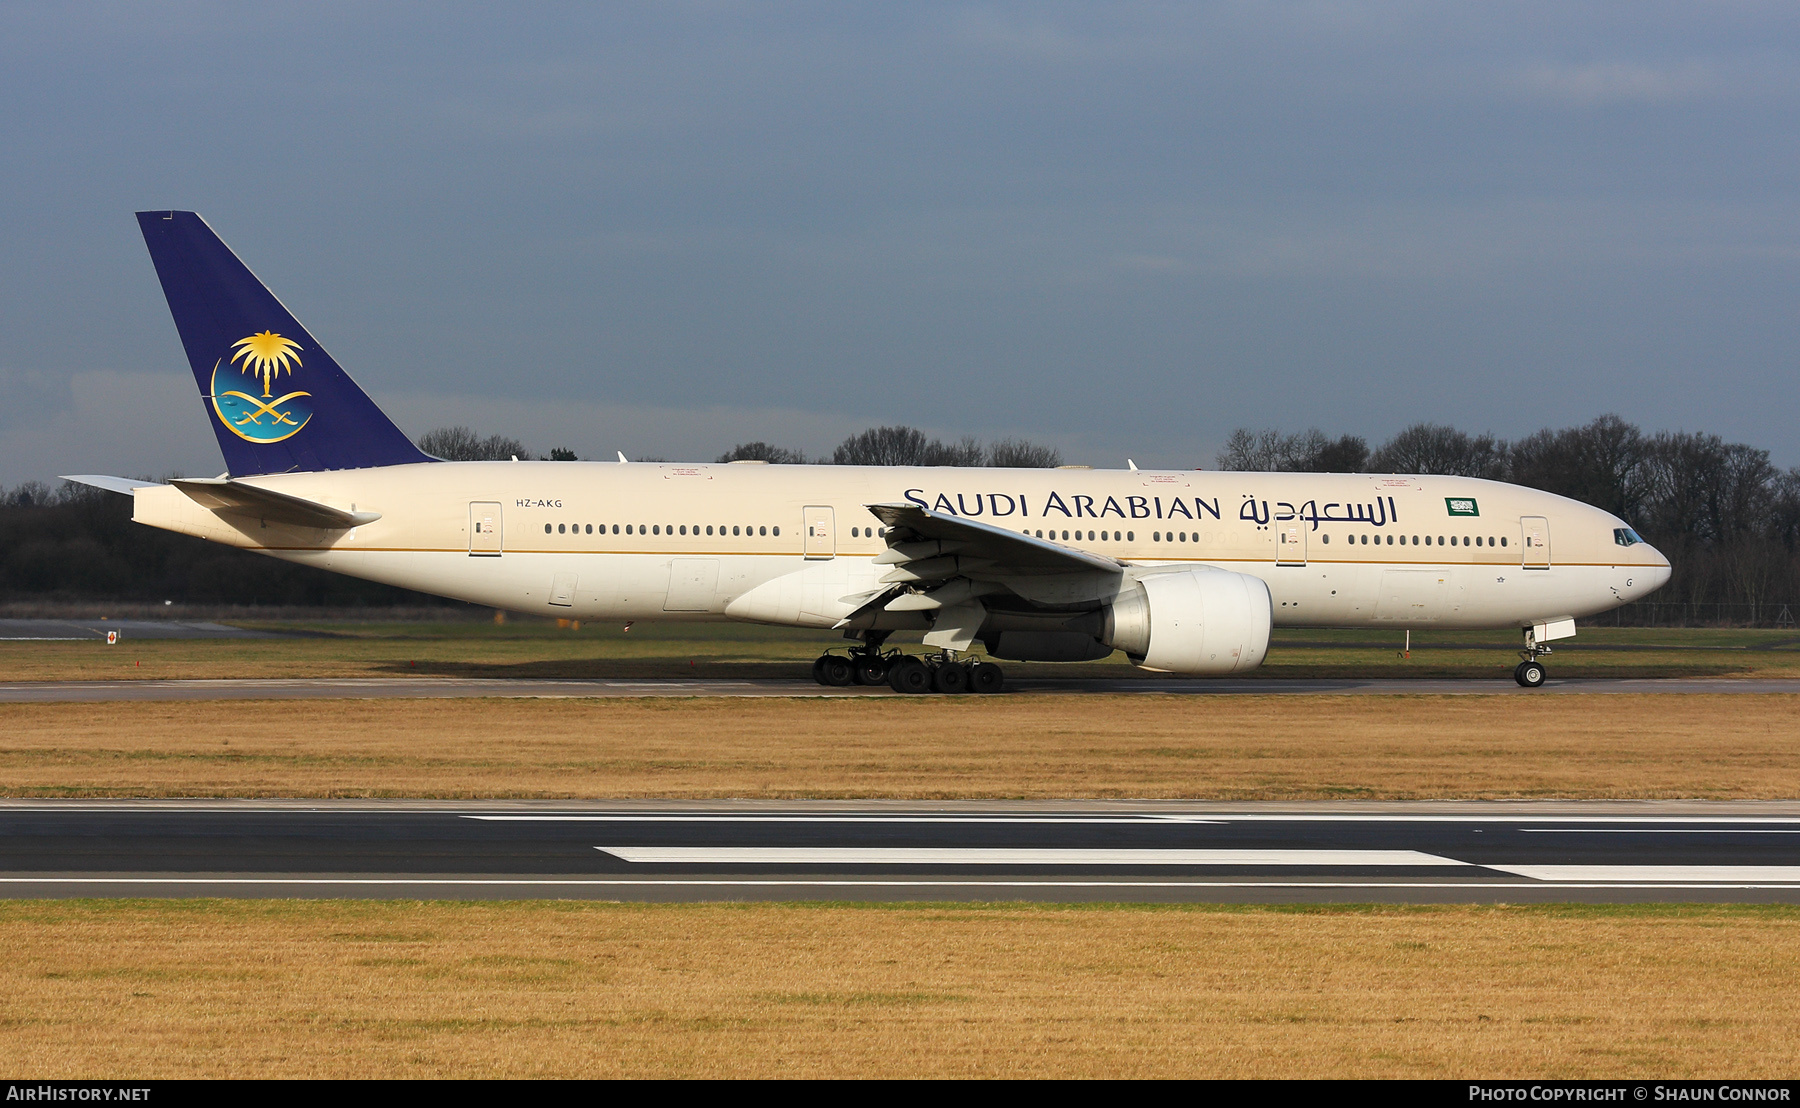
276, 400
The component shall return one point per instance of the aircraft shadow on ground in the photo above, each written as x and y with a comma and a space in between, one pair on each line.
595, 669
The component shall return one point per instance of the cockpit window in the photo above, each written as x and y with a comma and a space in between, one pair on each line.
1625, 536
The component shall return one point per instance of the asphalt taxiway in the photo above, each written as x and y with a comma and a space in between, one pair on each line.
1606, 851
58, 630
433, 688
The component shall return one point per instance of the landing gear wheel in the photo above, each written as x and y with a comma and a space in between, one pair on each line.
819, 668
909, 675
986, 677
836, 670
1529, 674
871, 669
950, 677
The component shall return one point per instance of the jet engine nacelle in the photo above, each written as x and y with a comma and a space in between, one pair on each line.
1192, 621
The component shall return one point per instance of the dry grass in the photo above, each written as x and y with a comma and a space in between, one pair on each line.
1239, 747
394, 989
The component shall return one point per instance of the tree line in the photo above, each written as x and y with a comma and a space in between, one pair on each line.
1726, 516
907, 446
877, 446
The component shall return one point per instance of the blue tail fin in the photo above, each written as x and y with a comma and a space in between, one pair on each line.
276, 400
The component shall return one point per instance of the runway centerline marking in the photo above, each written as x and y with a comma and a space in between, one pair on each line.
1709, 874
1015, 856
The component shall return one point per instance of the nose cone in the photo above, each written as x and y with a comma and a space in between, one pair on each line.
1651, 577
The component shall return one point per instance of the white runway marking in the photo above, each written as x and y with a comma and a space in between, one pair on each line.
1372, 817
1015, 856
1707, 874
1096, 820
1658, 831
1623, 823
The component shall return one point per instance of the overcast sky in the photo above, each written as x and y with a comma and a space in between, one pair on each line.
1119, 229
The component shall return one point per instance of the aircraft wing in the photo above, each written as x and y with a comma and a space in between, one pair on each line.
950, 570
924, 545
222, 494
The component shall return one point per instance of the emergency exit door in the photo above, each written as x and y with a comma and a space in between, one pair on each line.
819, 533
484, 529
1535, 539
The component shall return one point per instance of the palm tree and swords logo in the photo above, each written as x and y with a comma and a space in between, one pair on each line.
269, 418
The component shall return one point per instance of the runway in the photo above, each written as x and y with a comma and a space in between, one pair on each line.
429, 688
1131, 851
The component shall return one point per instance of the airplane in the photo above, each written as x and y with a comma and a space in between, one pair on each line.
1186, 572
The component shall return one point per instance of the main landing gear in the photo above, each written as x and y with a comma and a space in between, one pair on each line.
908, 673
1530, 672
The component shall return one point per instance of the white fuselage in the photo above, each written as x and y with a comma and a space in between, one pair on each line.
793, 545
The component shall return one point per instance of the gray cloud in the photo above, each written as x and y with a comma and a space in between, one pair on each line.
1124, 229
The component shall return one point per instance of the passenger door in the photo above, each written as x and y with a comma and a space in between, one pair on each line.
819, 534
1290, 545
484, 529
1534, 542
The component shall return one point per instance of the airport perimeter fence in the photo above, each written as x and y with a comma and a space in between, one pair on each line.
1667, 613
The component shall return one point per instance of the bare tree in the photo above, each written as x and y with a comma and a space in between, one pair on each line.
459, 444
1435, 448
1704, 487
1599, 464
1022, 454
1248, 451
760, 451
882, 446
1306, 451
966, 451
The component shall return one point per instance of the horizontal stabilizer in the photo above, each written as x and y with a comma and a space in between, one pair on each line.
225, 495
125, 485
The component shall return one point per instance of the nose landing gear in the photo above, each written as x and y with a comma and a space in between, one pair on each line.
1530, 672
